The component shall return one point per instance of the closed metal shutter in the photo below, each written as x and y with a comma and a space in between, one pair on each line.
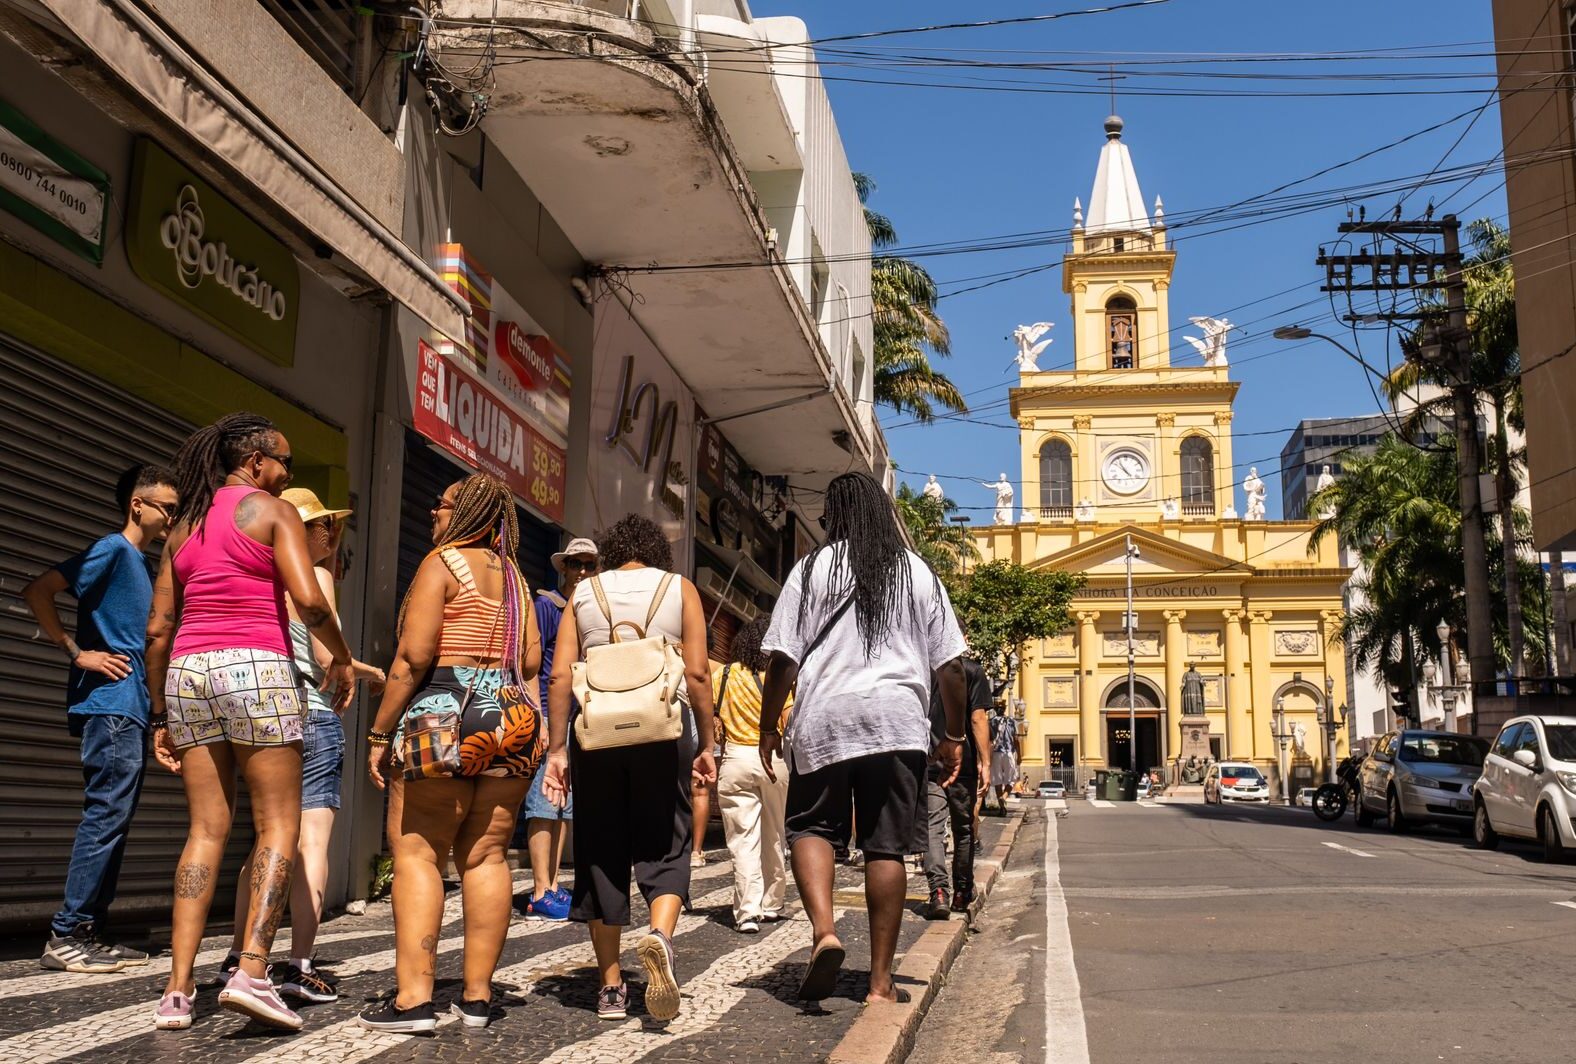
67, 438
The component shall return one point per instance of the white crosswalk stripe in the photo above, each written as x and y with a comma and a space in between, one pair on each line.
48, 1044
707, 999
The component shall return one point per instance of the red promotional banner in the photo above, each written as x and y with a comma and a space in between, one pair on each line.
468, 419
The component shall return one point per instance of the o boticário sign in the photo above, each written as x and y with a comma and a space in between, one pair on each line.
51, 187
456, 410
198, 248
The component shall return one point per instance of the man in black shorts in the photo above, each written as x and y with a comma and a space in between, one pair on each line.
863, 625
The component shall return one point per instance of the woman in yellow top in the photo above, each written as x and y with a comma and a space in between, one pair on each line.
752, 803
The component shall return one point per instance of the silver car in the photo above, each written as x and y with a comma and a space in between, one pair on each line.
1417, 777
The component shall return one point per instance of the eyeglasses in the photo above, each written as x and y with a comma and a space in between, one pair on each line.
442, 504
283, 459
164, 510
581, 564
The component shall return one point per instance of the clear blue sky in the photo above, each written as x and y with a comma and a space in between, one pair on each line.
959, 165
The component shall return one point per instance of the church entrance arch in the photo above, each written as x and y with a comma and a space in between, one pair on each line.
1145, 728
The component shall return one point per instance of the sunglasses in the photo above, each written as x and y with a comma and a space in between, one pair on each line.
442, 504
580, 565
164, 510
283, 459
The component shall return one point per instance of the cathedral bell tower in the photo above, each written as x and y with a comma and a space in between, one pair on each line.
1124, 436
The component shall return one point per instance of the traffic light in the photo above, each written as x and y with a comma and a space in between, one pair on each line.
1401, 703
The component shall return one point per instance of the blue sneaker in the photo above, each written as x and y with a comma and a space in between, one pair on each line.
554, 905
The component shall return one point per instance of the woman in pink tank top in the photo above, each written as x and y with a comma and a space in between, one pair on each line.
226, 694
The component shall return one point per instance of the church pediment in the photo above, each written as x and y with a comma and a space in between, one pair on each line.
1158, 556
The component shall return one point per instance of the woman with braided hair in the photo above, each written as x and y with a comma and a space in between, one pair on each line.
468, 649
226, 694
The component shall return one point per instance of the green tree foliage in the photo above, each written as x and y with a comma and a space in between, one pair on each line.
946, 547
907, 327
1005, 606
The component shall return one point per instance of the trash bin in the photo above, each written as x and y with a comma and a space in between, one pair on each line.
1100, 775
1110, 789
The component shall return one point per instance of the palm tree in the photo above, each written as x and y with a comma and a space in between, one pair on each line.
946, 547
907, 327
1496, 378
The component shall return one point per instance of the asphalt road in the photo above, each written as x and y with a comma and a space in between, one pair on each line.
1189, 933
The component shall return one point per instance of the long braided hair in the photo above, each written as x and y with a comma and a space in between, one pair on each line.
484, 516
210, 454
868, 553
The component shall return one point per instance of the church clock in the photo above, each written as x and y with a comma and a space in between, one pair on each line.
1126, 471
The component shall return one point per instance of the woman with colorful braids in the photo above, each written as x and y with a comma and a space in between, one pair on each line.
468, 644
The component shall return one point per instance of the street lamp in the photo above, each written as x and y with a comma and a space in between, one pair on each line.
1297, 332
1283, 737
960, 521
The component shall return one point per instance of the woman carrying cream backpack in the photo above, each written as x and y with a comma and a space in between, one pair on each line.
632, 640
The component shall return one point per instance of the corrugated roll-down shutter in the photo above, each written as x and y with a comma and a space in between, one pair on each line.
68, 437
721, 628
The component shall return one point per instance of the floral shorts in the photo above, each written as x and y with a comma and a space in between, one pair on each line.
246, 697
498, 736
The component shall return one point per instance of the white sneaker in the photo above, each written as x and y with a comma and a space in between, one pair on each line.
748, 926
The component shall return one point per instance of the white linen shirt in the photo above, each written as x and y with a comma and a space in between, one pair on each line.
848, 704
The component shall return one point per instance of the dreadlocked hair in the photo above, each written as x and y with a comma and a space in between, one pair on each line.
210, 454
869, 559
746, 646
484, 516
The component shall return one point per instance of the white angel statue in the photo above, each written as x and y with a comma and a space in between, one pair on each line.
1213, 346
1025, 336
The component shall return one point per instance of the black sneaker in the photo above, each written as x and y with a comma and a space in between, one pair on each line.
129, 957
961, 900
938, 909
306, 986
473, 1013
230, 965
418, 1019
80, 952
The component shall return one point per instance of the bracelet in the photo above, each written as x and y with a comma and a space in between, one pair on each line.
159, 722
955, 738
382, 738
71, 650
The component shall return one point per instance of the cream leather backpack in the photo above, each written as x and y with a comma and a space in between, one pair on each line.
629, 690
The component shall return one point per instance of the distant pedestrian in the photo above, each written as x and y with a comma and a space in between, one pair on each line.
753, 803
857, 746
106, 707
322, 769
1003, 758
458, 724
546, 824
226, 695
957, 803
632, 807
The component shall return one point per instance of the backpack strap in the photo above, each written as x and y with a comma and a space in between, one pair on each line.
459, 567
722, 688
601, 601
657, 599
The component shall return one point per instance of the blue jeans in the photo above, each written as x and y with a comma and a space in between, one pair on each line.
114, 751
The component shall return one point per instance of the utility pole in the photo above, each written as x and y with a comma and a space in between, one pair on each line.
1413, 267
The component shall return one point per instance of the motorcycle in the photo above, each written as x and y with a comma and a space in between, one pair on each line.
1330, 801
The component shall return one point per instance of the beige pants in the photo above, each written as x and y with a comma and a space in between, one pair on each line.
753, 808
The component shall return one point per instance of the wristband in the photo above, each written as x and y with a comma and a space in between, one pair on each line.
73, 652
382, 738
955, 738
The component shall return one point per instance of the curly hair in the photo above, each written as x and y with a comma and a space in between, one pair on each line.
746, 646
633, 538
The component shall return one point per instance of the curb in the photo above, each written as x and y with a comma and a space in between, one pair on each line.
885, 1035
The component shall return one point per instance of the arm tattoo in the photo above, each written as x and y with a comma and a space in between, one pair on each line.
192, 880
270, 893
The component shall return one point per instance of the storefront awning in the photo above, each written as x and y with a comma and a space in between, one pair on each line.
179, 87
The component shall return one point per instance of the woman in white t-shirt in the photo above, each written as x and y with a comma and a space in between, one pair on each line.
632, 803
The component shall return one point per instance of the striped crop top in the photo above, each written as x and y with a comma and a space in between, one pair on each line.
472, 623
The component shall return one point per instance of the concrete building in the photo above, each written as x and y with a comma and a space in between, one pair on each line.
632, 278
1535, 43
1319, 442
1127, 444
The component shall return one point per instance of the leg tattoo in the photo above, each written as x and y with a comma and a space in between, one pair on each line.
429, 945
191, 880
271, 888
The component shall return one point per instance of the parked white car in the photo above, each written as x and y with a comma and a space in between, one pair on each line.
1528, 786
1235, 781
1051, 789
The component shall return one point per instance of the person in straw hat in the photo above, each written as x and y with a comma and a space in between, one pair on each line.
545, 823
322, 765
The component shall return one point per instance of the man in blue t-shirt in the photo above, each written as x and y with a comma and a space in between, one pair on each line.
544, 822
107, 708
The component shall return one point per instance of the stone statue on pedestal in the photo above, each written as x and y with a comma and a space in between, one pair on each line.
1326, 512
1254, 489
1027, 337
1192, 770
933, 490
1192, 693
1168, 509
1004, 496
1085, 509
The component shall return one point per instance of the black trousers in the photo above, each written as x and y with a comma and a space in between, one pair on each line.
950, 805
632, 818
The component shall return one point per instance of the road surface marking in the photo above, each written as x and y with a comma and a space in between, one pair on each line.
1066, 1039
1567, 904
1348, 849
1058, 804
1101, 803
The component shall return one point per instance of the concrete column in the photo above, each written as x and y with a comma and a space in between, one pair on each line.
1263, 691
1176, 664
1239, 719
1335, 668
1089, 751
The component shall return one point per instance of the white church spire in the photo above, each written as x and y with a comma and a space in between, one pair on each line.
1116, 204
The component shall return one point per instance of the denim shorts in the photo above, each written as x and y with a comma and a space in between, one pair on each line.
322, 760
537, 807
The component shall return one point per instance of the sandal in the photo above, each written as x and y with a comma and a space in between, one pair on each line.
820, 975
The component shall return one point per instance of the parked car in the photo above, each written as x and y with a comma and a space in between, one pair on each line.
1051, 789
1414, 777
1235, 781
1528, 785
1089, 791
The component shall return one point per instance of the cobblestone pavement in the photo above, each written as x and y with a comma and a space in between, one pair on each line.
738, 1004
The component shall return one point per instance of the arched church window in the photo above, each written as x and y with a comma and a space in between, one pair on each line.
1056, 479
1198, 476
1121, 323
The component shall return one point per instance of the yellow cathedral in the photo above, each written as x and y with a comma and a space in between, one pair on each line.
1126, 444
